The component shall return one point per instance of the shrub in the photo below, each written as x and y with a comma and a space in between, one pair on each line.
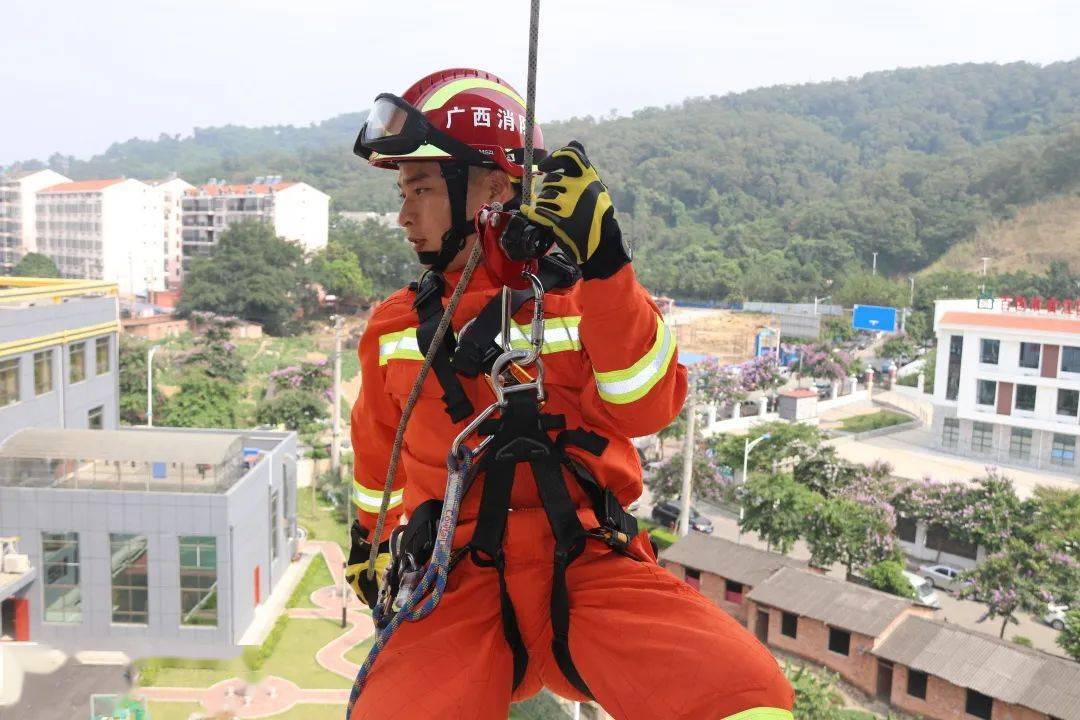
256, 657
888, 576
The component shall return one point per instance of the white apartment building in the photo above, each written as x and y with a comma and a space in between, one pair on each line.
104, 230
18, 210
173, 190
298, 212
1007, 381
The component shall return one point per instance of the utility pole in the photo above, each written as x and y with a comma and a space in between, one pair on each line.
335, 445
911, 296
688, 459
875, 264
150, 386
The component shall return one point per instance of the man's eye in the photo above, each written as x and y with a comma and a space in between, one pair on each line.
420, 190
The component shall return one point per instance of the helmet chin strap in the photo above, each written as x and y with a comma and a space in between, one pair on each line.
456, 175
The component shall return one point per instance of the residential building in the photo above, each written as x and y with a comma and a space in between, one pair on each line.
104, 230
18, 212
829, 621
723, 571
944, 672
387, 219
931, 543
297, 211
150, 541
172, 191
59, 354
155, 327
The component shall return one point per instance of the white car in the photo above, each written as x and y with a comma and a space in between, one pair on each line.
941, 576
1055, 616
924, 590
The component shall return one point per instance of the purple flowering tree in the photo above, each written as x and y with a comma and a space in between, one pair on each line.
761, 374
824, 362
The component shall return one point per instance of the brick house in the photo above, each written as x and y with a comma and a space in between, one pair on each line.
723, 571
945, 672
829, 621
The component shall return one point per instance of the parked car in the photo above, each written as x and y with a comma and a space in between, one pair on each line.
924, 590
941, 576
1055, 616
667, 514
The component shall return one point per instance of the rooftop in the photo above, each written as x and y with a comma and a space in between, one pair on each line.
798, 393
240, 189
997, 668
1026, 321
835, 602
729, 560
22, 289
81, 186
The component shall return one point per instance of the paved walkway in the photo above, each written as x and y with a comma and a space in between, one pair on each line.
273, 695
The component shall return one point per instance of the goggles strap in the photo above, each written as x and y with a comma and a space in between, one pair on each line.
456, 176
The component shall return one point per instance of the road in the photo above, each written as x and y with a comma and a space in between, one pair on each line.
65, 694
965, 613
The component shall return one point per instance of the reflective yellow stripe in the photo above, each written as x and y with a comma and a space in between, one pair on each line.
633, 383
762, 713
370, 500
560, 334
450, 89
399, 345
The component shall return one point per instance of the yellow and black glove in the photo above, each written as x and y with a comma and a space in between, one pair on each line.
574, 203
356, 574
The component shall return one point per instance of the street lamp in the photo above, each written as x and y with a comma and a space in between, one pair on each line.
150, 386
817, 299
875, 264
748, 445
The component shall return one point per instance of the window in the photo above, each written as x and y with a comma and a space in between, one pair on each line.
76, 362
733, 591
9, 381
60, 561
950, 432
198, 580
95, 419
905, 528
1063, 451
789, 624
101, 355
988, 352
986, 392
1067, 402
273, 525
693, 578
978, 704
1070, 359
1029, 355
43, 374
839, 641
956, 354
916, 683
1020, 444
129, 579
982, 437
1025, 397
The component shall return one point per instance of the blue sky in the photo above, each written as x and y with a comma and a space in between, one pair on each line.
78, 74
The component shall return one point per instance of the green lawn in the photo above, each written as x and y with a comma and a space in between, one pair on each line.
305, 711
316, 576
293, 659
359, 653
325, 523
872, 421
172, 711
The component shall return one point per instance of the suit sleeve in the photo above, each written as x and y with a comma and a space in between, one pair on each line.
374, 423
639, 382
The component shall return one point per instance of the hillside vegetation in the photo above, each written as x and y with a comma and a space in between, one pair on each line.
774, 194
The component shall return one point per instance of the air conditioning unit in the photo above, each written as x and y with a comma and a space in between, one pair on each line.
16, 563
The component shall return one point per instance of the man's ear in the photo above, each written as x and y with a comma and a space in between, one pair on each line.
499, 186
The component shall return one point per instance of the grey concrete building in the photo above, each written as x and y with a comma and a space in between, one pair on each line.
59, 354
148, 541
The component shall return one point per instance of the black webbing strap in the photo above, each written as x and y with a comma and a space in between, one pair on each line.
476, 348
429, 311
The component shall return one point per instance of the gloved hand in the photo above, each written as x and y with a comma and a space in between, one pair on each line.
572, 201
356, 574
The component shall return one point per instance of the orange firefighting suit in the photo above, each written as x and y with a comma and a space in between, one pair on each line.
647, 644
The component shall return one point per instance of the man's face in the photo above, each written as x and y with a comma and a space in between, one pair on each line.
425, 205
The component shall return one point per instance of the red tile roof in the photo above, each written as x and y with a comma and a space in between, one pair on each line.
1013, 321
799, 393
81, 186
260, 189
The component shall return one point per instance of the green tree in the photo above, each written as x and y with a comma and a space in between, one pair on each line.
253, 275
711, 482
133, 381
898, 346
787, 442
775, 507
202, 401
386, 260
816, 697
36, 265
888, 576
338, 270
867, 289
1069, 638
298, 410
847, 531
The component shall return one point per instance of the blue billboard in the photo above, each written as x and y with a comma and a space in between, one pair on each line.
873, 317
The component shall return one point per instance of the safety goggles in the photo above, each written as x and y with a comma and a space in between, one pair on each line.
395, 128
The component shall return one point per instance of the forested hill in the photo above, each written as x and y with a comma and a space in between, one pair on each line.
768, 193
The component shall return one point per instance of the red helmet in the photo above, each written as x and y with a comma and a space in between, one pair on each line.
457, 114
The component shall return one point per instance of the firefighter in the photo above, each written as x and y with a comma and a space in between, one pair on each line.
551, 584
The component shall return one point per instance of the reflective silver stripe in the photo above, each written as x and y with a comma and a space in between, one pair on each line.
401, 345
560, 334
626, 386
370, 500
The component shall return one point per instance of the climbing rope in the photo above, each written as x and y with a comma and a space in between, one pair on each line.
530, 101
